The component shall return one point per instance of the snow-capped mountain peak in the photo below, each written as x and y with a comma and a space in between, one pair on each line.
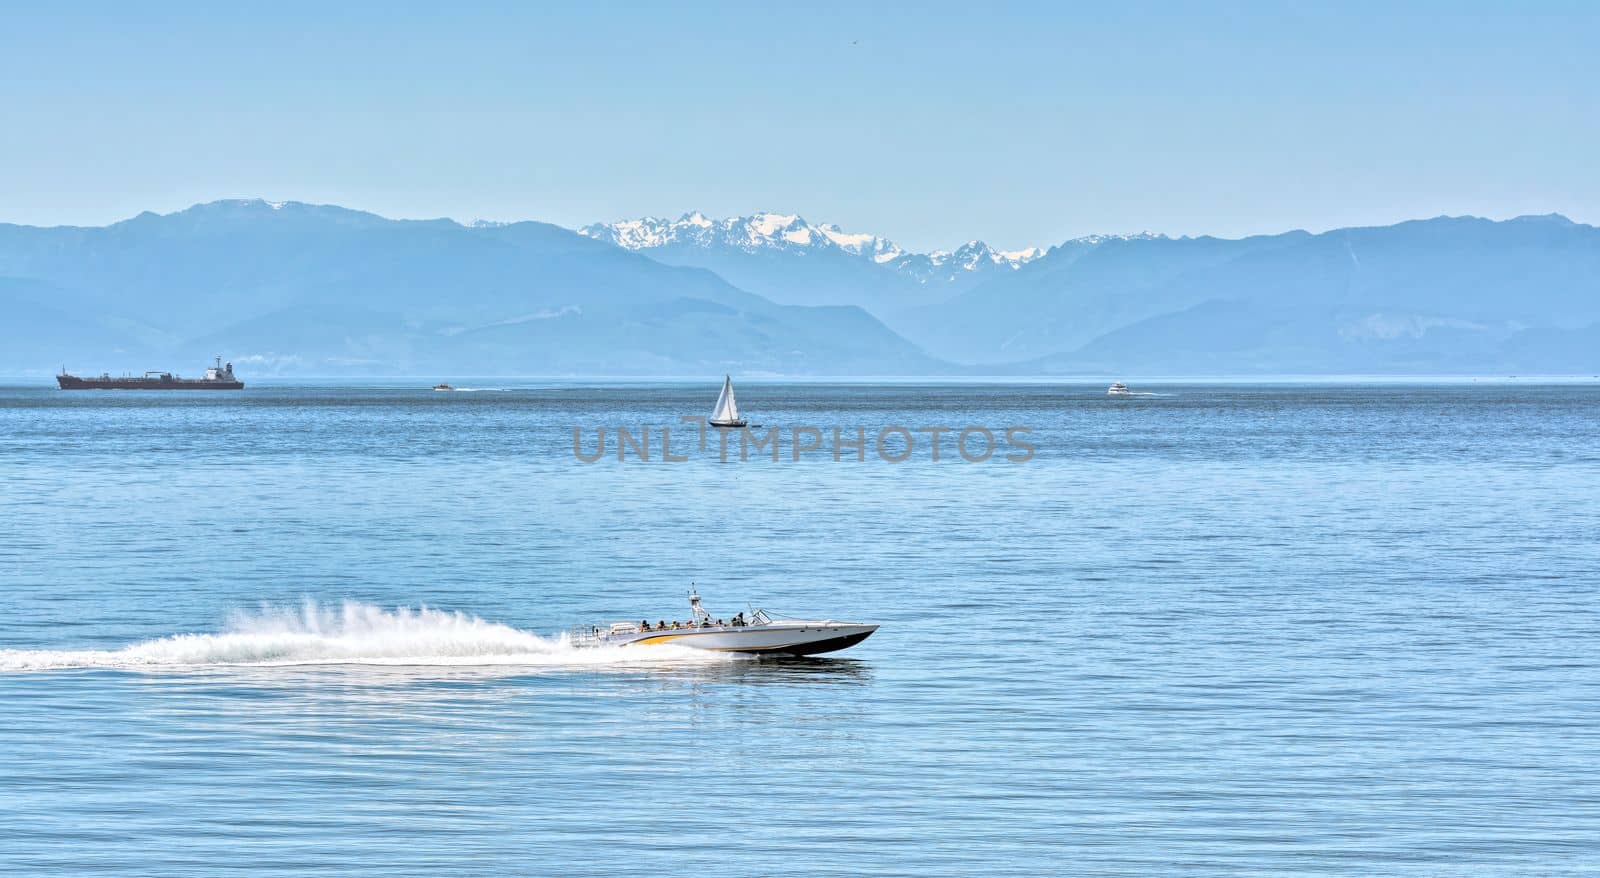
879, 250
1020, 257
1102, 239
790, 232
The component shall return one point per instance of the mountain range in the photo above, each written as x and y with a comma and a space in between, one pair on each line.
293, 288
289, 288
1445, 295
789, 260
1442, 295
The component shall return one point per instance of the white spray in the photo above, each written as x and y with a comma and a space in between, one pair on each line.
353, 633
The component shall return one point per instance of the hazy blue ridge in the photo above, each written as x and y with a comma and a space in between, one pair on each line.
1068, 297
806, 277
288, 288
1446, 295
303, 289
1443, 295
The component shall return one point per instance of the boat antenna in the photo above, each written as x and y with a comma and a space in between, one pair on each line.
698, 612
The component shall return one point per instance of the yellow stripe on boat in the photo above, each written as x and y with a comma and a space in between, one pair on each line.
649, 640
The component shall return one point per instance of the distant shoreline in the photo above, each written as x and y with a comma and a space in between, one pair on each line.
426, 382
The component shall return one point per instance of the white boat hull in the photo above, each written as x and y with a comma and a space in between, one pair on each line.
786, 638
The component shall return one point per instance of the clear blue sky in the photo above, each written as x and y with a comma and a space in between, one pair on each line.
1020, 124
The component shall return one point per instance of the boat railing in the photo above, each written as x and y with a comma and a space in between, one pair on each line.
595, 635
600, 635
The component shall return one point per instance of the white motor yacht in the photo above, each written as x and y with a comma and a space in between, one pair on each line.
1118, 389
757, 633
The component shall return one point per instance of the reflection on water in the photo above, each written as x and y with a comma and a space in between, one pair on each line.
424, 680
808, 671
354, 694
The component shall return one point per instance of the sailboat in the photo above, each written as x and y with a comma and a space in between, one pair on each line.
726, 414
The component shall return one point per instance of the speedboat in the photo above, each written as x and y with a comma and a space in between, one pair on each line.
443, 387
758, 633
1118, 389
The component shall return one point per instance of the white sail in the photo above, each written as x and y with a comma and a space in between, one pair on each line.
727, 410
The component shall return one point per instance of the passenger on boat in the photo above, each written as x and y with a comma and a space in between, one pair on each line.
644, 625
661, 624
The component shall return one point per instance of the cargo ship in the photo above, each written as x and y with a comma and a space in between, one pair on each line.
218, 377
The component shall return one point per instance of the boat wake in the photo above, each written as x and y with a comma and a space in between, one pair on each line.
352, 634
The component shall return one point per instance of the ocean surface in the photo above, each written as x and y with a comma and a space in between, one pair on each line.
1222, 629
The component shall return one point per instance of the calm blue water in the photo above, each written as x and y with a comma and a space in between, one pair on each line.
1231, 629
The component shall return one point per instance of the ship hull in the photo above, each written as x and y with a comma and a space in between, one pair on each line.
805, 638
72, 382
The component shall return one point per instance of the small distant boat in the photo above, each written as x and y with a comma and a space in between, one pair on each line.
726, 414
759, 633
1118, 389
443, 387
